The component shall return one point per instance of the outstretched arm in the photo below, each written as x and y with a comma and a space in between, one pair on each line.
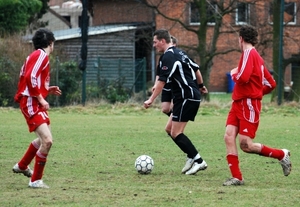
159, 85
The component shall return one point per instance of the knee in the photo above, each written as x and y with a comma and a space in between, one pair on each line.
165, 110
229, 140
168, 131
245, 147
47, 143
173, 135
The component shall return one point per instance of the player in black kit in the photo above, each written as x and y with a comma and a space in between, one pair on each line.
186, 82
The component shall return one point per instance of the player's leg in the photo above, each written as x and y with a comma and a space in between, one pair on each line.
168, 126
282, 155
44, 133
247, 134
166, 99
28, 107
22, 165
231, 132
232, 156
184, 111
166, 108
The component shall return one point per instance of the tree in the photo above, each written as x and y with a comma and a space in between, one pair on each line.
277, 57
207, 37
223, 13
15, 15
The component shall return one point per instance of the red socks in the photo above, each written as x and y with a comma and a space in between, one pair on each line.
271, 152
233, 164
39, 165
28, 156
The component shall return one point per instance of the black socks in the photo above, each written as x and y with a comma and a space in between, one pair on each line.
185, 144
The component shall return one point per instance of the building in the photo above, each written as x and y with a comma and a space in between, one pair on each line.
257, 13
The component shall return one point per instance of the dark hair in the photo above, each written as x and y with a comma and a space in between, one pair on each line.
42, 38
163, 34
249, 34
174, 40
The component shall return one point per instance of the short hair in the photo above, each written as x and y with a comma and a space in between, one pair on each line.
163, 34
174, 40
249, 34
42, 38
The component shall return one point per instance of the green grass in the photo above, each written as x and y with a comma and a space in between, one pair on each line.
92, 159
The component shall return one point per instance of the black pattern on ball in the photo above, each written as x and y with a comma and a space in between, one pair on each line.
144, 164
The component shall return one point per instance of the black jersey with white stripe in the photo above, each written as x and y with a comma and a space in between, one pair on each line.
176, 67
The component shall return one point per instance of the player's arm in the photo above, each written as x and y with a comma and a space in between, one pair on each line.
244, 70
269, 83
199, 78
158, 88
156, 79
32, 80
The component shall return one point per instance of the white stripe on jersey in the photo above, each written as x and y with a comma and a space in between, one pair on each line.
180, 68
245, 59
37, 82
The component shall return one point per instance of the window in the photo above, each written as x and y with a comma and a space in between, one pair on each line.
242, 13
289, 15
211, 11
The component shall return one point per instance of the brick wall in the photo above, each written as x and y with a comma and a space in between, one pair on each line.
128, 11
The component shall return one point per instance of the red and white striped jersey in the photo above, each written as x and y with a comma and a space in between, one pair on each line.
253, 80
34, 76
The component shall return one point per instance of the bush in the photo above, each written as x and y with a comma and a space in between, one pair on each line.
109, 90
69, 77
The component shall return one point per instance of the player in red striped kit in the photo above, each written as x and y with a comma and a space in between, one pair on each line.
33, 89
252, 81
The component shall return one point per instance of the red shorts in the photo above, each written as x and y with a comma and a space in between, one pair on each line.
33, 112
244, 114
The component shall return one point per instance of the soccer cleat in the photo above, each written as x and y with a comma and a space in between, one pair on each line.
37, 184
196, 167
286, 162
233, 181
189, 163
28, 172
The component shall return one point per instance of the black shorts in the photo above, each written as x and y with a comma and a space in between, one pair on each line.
166, 94
185, 110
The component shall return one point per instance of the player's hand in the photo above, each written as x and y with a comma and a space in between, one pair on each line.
54, 90
203, 90
147, 103
45, 104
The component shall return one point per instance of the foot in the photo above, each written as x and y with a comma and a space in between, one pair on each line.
189, 163
196, 167
37, 184
286, 162
233, 181
27, 172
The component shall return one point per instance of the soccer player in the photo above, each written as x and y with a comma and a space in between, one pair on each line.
252, 81
33, 88
186, 86
166, 94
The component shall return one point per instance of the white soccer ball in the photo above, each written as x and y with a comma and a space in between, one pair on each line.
144, 164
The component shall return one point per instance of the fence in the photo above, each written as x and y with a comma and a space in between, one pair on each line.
105, 72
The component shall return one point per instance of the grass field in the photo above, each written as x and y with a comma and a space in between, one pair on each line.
92, 159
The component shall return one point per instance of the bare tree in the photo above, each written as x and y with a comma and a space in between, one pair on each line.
222, 14
208, 13
280, 24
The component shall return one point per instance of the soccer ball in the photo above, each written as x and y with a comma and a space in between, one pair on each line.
144, 164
